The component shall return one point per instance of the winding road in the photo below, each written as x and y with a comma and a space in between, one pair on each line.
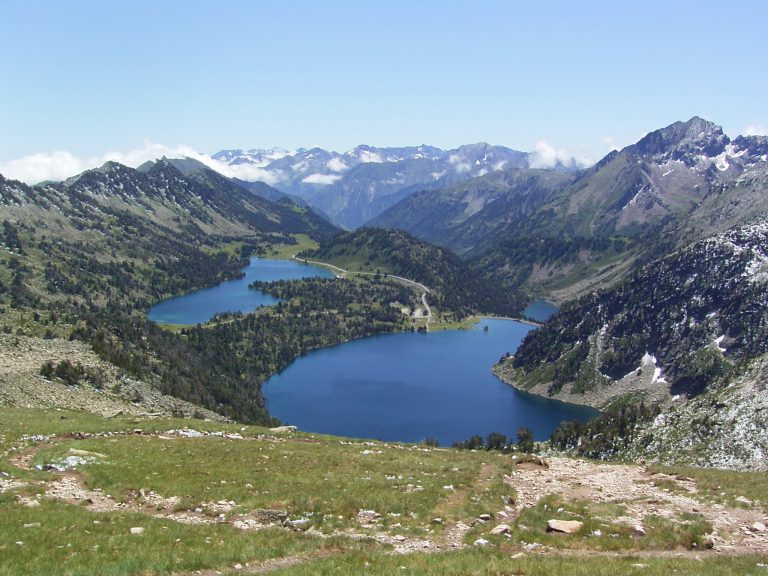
420, 286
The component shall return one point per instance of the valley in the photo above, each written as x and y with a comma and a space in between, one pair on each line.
135, 423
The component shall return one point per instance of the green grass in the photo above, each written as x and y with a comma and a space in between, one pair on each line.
486, 562
600, 532
321, 480
288, 251
723, 485
70, 540
324, 479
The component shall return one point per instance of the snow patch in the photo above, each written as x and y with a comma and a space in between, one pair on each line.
633, 201
368, 156
719, 341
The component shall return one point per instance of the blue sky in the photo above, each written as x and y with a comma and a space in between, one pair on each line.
85, 80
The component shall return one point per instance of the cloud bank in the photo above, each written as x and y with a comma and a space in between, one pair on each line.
324, 179
545, 155
60, 165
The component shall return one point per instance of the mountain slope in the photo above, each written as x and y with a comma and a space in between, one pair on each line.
698, 312
454, 287
681, 327
472, 214
85, 258
666, 174
630, 197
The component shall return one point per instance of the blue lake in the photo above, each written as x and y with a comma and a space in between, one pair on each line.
407, 387
540, 310
397, 387
232, 295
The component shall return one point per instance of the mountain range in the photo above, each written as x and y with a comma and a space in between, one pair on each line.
657, 253
354, 186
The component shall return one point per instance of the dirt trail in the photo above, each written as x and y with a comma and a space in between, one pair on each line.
634, 485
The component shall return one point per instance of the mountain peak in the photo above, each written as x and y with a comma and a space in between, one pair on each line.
164, 167
685, 141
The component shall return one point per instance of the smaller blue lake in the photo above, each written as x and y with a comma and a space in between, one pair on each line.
540, 310
232, 295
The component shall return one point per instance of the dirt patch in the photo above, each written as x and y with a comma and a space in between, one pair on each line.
635, 487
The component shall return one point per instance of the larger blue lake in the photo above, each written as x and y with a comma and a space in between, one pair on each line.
397, 387
407, 387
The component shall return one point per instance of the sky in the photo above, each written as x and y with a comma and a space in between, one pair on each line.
84, 81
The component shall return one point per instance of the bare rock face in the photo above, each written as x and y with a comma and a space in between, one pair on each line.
564, 526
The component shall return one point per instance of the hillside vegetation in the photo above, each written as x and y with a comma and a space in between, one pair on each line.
84, 260
455, 288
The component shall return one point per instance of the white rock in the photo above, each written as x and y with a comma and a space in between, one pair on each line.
501, 529
481, 542
758, 527
137, 530
564, 526
283, 429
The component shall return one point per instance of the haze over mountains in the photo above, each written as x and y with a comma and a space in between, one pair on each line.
357, 185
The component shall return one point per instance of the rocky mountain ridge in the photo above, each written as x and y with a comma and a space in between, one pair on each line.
356, 185
676, 182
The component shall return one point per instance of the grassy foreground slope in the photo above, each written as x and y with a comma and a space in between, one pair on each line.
81, 494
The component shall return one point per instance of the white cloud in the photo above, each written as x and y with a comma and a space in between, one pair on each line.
545, 155
459, 165
61, 164
45, 166
755, 130
323, 179
336, 165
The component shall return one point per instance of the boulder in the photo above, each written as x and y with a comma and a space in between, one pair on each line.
564, 526
501, 529
137, 530
270, 516
481, 542
484, 517
368, 516
283, 429
758, 527
86, 453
